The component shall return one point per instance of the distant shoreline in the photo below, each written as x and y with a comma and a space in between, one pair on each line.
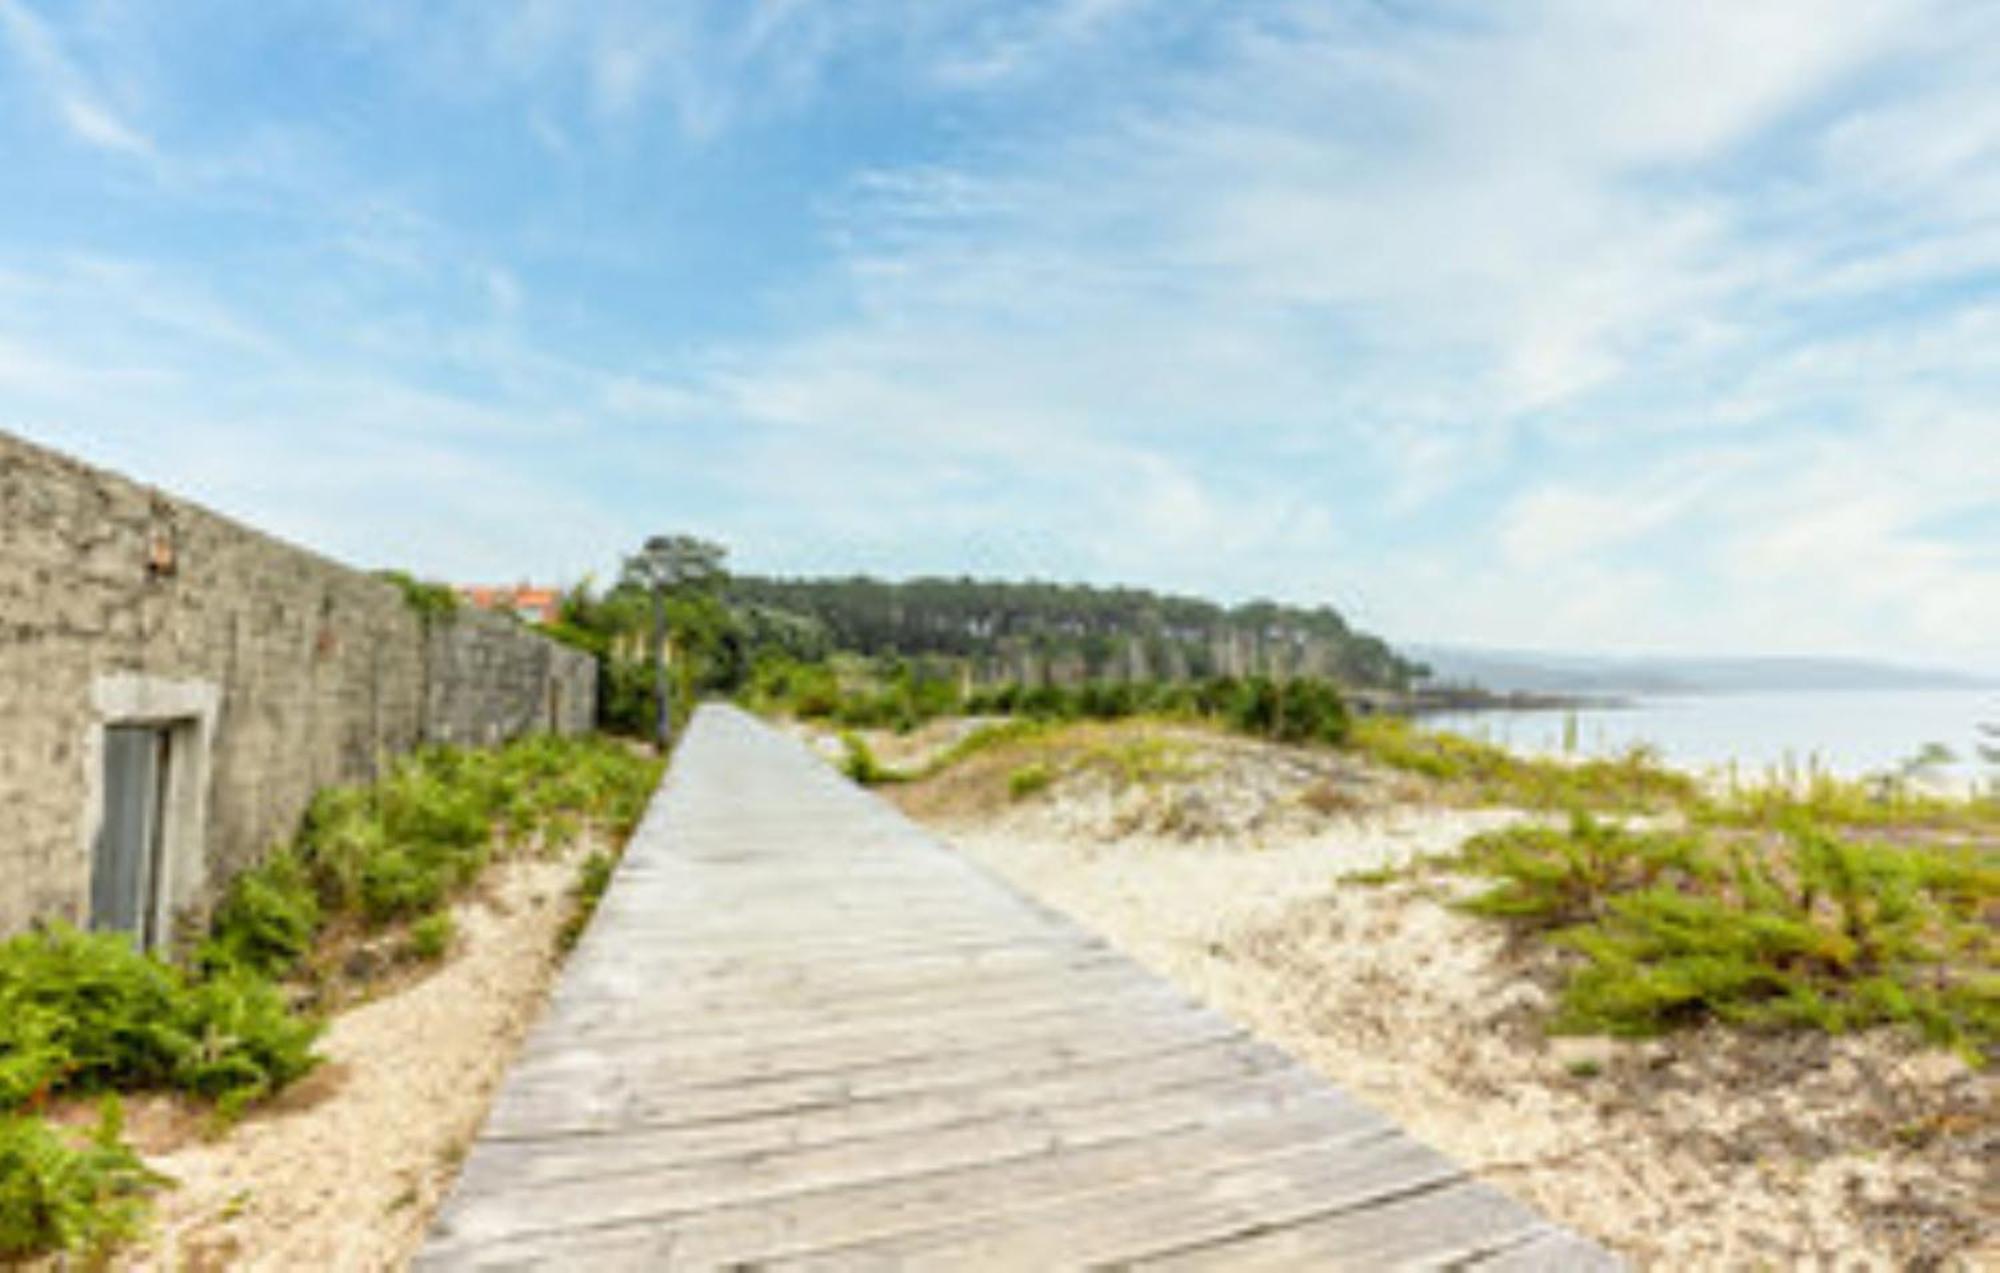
1440, 700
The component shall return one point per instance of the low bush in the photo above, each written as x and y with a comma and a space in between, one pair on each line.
267, 920
84, 1012
1029, 780
1297, 711
431, 936
985, 738
1804, 929
60, 1193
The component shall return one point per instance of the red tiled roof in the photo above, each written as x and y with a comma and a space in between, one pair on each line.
544, 603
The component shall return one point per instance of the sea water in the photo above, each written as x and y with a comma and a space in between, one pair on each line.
1844, 732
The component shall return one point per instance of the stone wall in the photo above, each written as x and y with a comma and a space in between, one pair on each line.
486, 684
278, 671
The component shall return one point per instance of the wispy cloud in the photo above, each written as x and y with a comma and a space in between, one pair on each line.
81, 106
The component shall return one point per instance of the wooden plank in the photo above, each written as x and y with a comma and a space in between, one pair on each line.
523, 1184
1194, 1079
1461, 1222
865, 1047
532, 1103
712, 1230
604, 981
809, 1013
1210, 1204
853, 985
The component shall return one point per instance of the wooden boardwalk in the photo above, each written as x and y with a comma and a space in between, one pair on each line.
803, 1034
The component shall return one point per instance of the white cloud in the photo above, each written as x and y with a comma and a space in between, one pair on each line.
81, 105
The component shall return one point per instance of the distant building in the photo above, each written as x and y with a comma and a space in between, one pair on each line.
536, 605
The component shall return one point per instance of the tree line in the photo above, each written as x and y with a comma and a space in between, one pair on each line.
1073, 634
920, 635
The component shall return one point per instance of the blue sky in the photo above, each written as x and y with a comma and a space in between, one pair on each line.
1626, 326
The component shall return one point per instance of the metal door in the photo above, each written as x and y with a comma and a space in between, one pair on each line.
125, 869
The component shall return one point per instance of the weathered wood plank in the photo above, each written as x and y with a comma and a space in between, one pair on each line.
1461, 1222
1211, 1203
796, 1023
624, 1175
711, 1229
534, 1102
1202, 1081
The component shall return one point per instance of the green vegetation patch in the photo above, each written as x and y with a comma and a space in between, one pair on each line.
85, 1012
1029, 780
1800, 929
64, 1193
431, 937
399, 849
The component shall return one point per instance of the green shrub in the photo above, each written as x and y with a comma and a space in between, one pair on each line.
1804, 930
1029, 780
85, 1012
398, 849
431, 936
1296, 711
243, 1042
267, 920
397, 883
61, 1194
1550, 877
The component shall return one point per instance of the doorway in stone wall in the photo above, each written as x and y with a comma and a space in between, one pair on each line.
127, 863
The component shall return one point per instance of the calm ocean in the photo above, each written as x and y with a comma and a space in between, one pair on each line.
1847, 732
